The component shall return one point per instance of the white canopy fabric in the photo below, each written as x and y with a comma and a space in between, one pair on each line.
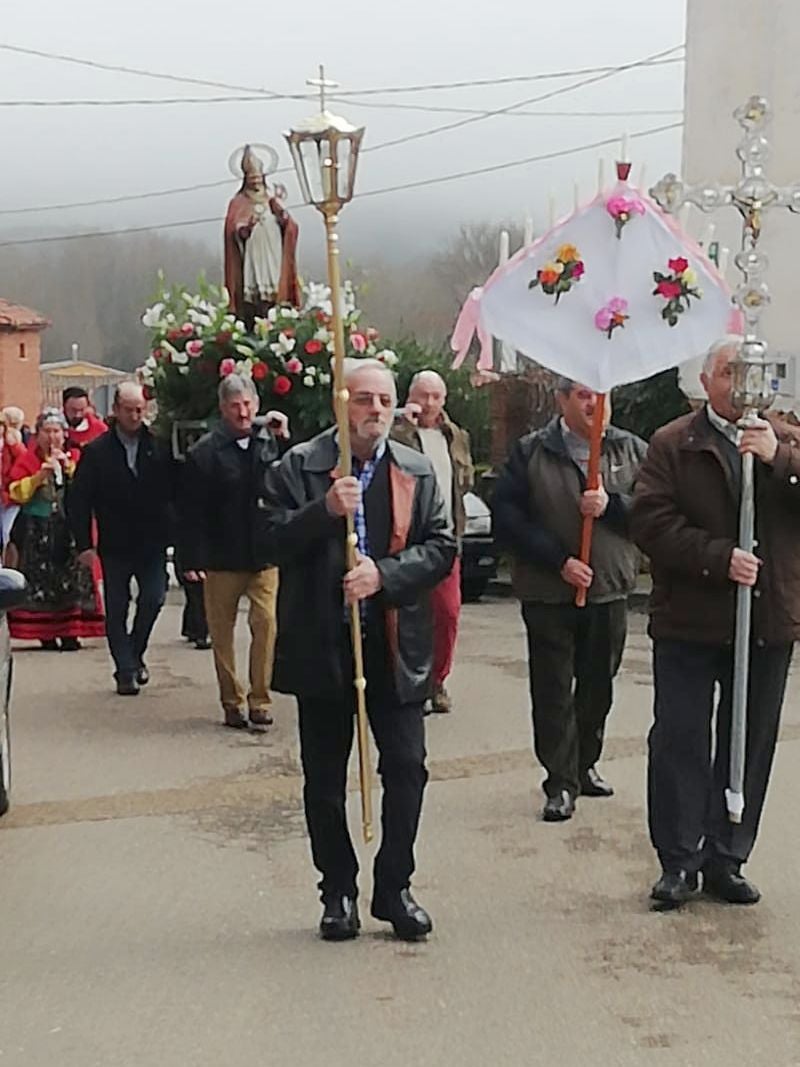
563, 335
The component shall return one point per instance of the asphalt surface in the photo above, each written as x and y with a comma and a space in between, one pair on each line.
158, 906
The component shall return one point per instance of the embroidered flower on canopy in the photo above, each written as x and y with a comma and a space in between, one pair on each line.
612, 316
558, 275
677, 288
622, 209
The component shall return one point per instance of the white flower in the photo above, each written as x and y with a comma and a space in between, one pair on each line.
311, 369
287, 344
230, 320
188, 298
245, 368
390, 358
290, 313
308, 381
152, 317
322, 335
272, 315
180, 358
225, 297
183, 370
151, 363
240, 326
243, 350
170, 318
324, 379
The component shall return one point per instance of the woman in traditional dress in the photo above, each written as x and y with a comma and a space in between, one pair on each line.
63, 604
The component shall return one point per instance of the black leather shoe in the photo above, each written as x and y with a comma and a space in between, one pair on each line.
594, 785
674, 888
559, 808
340, 920
410, 921
142, 675
726, 882
50, 645
202, 644
235, 719
70, 644
126, 685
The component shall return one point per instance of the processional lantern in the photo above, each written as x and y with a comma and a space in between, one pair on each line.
325, 151
752, 195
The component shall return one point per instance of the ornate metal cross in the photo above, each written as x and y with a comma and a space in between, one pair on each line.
752, 195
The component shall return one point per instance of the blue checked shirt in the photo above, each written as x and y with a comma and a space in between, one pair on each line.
365, 471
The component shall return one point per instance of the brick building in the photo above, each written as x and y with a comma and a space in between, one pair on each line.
20, 350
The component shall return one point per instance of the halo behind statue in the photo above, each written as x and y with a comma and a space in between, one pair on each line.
265, 154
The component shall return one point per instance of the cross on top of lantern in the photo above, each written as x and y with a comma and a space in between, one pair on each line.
325, 151
753, 194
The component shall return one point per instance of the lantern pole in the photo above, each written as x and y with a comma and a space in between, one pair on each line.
326, 132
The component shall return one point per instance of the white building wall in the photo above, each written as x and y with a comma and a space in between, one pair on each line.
735, 49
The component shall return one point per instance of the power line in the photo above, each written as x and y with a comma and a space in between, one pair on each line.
406, 139
173, 100
472, 119
492, 168
273, 95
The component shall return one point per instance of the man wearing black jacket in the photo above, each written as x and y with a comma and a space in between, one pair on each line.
405, 548
573, 653
124, 482
219, 511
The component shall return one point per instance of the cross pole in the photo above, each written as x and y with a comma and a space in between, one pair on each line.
322, 84
751, 196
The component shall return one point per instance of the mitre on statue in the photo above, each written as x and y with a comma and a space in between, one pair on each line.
612, 294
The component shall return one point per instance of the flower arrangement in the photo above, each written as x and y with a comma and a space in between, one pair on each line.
196, 340
677, 288
612, 316
558, 275
622, 209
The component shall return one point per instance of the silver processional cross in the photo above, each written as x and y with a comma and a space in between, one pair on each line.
752, 195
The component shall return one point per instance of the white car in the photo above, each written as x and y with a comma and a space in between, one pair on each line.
12, 592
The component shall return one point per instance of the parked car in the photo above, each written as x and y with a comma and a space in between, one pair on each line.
478, 551
12, 592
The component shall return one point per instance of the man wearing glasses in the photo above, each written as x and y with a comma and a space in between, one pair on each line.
404, 549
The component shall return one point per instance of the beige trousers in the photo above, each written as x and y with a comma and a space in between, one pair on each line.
222, 592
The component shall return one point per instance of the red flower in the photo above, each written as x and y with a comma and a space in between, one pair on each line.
313, 347
678, 265
147, 392
669, 289
158, 353
223, 337
174, 335
577, 269
287, 331
322, 317
282, 385
260, 371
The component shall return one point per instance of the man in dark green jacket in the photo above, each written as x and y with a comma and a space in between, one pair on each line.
574, 653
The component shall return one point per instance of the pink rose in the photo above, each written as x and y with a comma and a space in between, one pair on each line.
358, 342
617, 304
577, 269
616, 205
293, 365
602, 319
194, 348
226, 367
187, 329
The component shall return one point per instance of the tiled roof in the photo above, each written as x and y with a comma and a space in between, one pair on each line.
16, 317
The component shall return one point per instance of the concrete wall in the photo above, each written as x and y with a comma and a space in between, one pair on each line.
735, 49
20, 383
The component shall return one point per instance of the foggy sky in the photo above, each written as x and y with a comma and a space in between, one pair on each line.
55, 155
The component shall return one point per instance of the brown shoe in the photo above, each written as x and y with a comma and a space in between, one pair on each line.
235, 719
441, 702
259, 717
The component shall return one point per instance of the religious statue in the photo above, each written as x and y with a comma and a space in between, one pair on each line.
260, 242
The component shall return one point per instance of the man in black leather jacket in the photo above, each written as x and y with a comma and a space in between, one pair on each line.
405, 549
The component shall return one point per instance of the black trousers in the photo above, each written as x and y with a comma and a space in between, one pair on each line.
686, 777
573, 657
326, 738
193, 623
128, 645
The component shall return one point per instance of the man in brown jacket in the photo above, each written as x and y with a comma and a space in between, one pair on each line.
428, 428
685, 517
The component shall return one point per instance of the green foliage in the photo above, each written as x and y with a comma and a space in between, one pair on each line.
466, 405
642, 407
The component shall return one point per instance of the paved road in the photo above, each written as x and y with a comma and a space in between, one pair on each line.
158, 906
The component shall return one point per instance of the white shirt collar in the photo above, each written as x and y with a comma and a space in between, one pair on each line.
727, 429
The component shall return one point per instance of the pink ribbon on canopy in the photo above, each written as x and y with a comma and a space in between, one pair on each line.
467, 326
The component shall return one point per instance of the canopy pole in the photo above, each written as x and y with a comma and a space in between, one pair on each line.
592, 482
